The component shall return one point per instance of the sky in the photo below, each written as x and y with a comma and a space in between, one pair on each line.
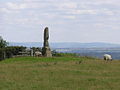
68, 20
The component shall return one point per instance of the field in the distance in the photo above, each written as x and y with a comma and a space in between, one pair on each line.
60, 73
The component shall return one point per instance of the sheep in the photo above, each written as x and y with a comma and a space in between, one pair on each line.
107, 57
38, 54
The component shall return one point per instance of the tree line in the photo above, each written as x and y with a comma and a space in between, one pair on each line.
9, 51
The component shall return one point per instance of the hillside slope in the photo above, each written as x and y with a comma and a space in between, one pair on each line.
59, 73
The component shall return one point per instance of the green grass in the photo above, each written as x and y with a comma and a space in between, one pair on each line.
59, 73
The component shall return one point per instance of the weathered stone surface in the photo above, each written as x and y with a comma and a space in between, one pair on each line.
46, 51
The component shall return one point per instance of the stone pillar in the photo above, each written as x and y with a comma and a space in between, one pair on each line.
46, 51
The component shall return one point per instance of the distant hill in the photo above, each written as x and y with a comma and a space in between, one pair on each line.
27, 44
67, 45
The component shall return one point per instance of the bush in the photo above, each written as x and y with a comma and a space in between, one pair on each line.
3, 43
15, 49
2, 53
10, 51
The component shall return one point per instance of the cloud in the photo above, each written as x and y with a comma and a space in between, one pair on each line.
64, 16
8, 11
70, 5
22, 6
108, 12
69, 17
15, 6
83, 12
4, 10
64, 6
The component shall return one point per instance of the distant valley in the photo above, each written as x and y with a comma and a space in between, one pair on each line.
67, 45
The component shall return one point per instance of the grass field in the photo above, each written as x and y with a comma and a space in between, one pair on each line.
59, 73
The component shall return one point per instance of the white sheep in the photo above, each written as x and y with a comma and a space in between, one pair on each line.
38, 54
107, 57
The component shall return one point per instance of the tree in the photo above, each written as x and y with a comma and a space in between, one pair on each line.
3, 43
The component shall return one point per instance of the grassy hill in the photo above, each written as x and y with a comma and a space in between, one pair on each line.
59, 73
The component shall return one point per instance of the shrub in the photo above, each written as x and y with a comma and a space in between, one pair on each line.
2, 53
3, 43
10, 51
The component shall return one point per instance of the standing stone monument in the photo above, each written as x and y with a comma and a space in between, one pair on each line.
46, 51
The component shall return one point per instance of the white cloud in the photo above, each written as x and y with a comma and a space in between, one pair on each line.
84, 11
8, 11
15, 6
108, 12
69, 17
4, 10
70, 5
62, 15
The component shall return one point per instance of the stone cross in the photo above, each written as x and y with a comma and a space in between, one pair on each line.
46, 51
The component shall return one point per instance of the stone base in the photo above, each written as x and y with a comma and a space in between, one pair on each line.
46, 52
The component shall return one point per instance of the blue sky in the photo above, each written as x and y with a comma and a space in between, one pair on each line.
68, 20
